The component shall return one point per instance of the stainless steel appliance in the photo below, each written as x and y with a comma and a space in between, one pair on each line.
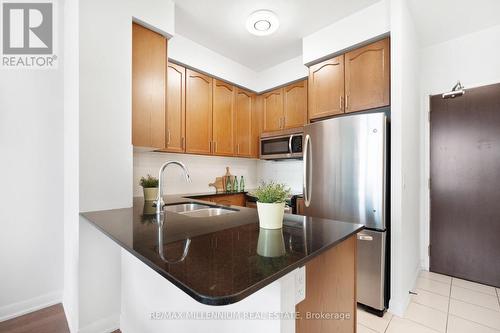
282, 145
345, 162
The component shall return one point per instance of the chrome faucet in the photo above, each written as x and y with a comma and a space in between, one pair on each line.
159, 204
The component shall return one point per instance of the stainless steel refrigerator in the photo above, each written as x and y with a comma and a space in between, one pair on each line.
345, 173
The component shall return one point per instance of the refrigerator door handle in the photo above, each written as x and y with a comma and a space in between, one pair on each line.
307, 170
365, 237
290, 144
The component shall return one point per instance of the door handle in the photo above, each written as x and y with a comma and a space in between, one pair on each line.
365, 237
307, 171
290, 144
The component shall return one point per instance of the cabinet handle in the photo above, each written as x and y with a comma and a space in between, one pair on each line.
238, 148
283, 123
183, 143
210, 146
215, 146
347, 102
168, 140
341, 102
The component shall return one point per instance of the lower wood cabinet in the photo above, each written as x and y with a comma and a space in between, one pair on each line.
198, 113
236, 199
149, 61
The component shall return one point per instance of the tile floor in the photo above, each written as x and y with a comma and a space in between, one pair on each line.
442, 304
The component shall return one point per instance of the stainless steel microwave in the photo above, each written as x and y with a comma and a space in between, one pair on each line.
281, 146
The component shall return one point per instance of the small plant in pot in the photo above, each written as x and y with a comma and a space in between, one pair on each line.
271, 198
150, 187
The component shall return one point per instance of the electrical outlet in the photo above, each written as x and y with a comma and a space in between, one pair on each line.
300, 284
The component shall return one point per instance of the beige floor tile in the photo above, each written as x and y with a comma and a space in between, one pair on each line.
474, 297
401, 325
433, 286
364, 329
426, 316
373, 322
432, 300
435, 276
459, 325
474, 286
475, 313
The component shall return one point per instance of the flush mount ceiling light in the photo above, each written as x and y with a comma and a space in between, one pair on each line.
262, 23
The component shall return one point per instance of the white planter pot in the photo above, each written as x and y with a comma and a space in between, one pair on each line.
271, 215
150, 193
271, 243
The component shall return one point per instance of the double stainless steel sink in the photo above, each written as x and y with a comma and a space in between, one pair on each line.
193, 209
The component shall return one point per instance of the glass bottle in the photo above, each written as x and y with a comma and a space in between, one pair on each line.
228, 184
235, 184
242, 184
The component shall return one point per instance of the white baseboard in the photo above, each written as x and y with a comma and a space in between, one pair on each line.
20, 308
105, 325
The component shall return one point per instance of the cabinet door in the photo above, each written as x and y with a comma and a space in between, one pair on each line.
295, 104
367, 77
149, 61
256, 125
273, 110
223, 119
176, 108
198, 113
326, 88
243, 123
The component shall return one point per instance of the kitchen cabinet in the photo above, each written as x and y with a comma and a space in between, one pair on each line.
243, 122
198, 113
273, 110
326, 88
234, 199
176, 108
223, 118
149, 62
295, 105
367, 77
256, 125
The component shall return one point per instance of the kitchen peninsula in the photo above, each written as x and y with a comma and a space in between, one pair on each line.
224, 270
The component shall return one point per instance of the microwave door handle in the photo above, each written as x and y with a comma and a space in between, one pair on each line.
290, 144
307, 170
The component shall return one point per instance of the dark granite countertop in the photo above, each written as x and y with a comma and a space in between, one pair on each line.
222, 259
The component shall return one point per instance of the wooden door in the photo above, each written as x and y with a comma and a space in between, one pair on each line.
367, 77
198, 113
326, 88
243, 122
295, 104
223, 119
465, 185
176, 108
273, 110
149, 61
256, 125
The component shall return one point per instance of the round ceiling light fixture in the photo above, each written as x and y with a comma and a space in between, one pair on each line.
262, 23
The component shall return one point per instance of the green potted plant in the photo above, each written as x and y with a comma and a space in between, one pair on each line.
150, 187
271, 198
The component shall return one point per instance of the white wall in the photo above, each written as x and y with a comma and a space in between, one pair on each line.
105, 159
474, 60
405, 155
359, 27
31, 217
289, 172
71, 161
280, 74
203, 170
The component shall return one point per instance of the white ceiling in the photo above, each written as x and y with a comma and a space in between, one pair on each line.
441, 20
220, 26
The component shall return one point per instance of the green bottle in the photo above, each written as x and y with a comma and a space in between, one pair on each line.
235, 184
242, 184
228, 184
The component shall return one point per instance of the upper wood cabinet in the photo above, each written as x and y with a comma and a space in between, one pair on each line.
273, 110
223, 118
295, 104
198, 113
149, 61
243, 122
176, 108
256, 125
326, 88
367, 76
